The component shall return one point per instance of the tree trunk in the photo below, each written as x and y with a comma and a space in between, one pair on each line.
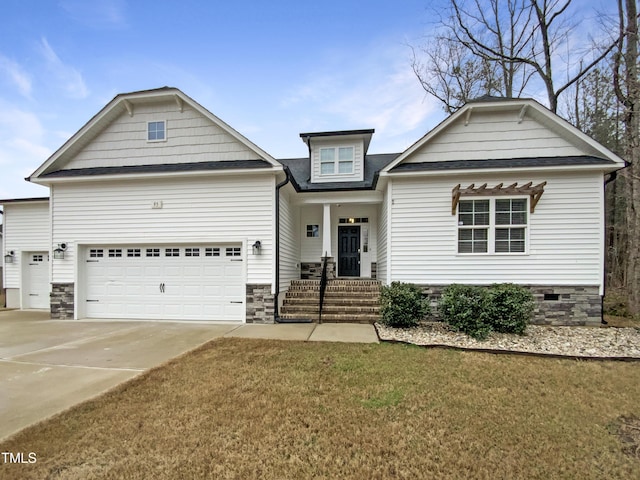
632, 173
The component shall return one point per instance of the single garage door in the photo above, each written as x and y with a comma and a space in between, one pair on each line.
168, 282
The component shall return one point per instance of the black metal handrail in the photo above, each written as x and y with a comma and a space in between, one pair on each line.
323, 286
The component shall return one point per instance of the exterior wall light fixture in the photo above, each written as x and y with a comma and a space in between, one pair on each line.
58, 252
256, 247
9, 257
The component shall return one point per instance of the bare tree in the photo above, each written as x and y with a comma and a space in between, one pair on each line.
453, 76
455, 73
519, 38
627, 87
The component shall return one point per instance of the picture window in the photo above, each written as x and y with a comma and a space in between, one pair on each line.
156, 131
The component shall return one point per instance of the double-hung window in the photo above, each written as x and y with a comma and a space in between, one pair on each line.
511, 224
473, 226
336, 160
494, 225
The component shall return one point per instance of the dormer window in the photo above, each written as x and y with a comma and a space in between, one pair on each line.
336, 160
156, 131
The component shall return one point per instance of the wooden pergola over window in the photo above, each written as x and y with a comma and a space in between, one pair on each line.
534, 192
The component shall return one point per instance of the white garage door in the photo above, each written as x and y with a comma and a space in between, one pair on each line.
202, 282
37, 280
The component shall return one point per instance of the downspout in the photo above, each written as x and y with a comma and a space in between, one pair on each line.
286, 180
612, 176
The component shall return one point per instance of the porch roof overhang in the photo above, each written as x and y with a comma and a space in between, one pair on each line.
342, 197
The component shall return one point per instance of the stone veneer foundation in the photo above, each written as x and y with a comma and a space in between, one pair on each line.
313, 270
61, 300
260, 303
555, 304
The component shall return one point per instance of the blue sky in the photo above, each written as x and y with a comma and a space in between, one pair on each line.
269, 69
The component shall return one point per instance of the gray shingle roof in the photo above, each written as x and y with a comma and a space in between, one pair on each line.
301, 173
501, 163
159, 168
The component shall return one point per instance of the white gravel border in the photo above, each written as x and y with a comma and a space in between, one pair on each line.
587, 342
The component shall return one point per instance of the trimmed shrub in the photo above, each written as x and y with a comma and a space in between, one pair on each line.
402, 305
509, 308
464, 307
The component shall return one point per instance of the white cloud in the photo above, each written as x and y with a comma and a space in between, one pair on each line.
102, 14
21, 139
16, 75
377, 90
69, 78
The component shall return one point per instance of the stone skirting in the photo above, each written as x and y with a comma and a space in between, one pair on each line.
62, 301
313, 270
555, 304
260, 303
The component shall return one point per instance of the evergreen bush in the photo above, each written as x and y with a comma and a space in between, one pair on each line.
464, 307
509, 308
402, 305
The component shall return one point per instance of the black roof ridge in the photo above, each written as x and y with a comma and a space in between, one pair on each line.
515, 162
160, 168
337, 133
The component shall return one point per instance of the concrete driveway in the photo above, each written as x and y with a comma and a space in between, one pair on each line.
47, 366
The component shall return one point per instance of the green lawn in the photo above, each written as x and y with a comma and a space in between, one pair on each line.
285, 410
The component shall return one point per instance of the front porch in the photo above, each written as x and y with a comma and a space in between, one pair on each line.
346, 234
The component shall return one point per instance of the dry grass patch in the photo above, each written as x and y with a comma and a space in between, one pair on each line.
272, 410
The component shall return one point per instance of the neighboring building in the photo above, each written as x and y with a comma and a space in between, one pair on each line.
163, 211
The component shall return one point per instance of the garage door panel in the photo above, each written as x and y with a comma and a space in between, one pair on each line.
233, 270
195, 283
212, 290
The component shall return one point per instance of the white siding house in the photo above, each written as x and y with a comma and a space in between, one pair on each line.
160, 210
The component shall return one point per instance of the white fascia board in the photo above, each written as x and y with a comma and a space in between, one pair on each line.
142, 176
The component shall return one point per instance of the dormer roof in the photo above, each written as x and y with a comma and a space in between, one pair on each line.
364, 135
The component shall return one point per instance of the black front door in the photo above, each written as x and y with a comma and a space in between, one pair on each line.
349, 251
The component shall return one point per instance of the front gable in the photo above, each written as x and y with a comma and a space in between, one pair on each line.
159, 130
503, 134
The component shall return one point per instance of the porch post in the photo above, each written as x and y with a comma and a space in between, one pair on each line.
326, 230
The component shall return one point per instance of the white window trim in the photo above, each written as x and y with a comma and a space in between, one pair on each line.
166, 133
491, 234
336, 160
